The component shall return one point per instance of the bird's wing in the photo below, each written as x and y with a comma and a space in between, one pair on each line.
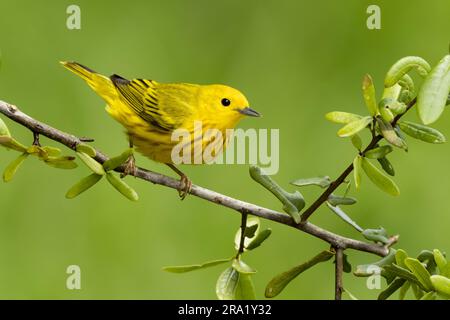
141, 95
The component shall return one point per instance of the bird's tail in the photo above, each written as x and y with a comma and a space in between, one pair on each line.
79, 70
99, 83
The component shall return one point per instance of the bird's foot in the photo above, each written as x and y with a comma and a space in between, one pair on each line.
185, 186
185, 183
130, 167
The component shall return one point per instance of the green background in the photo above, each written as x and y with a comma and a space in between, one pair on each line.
294, 60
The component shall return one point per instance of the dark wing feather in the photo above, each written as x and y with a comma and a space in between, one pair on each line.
141, 96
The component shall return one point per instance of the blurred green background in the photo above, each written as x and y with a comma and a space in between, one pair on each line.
294, 60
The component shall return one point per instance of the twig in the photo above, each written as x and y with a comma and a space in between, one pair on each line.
36, 139
244, 216
336, 183
86, 139
339, 268
72, 141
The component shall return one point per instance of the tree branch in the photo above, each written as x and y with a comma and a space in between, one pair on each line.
339, 268
333, 239
336, 183
242, 239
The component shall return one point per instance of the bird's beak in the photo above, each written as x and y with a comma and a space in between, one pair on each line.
249, 112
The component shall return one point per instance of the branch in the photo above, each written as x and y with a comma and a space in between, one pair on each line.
336, 183
339, 268
72, 141
242, 239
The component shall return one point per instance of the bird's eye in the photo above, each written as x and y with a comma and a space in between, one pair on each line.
225, 102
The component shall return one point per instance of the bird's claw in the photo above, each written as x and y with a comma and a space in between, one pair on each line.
130, 167
185, 187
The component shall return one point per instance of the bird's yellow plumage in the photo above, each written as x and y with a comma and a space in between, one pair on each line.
151, 111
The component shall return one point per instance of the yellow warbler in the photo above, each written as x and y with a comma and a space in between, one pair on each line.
152, 111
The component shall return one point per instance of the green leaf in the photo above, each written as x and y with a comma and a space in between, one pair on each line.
403, 273
379, 152
11, 143
418, 292
83, 185
338, 200
392, 93
115, 162
394, 286
406, 97
386, 114
380, 179
87, 149
278, 283
420, 272
400, 257
446, 271
342, 117
122, 187
407, 83
347, 188
425, 255
356, 141
250, 231
441, 261
245, 289
4, 131
66, 162
391, 107
397, 107
322, 182
386, 166
193, 267
242, 267
429, 296
441, 284
421, 132
354, 127
341, 214
404, 290
433, 93
52, 151
389, 276
366, 270
293, 203
403, 66
347, 266
431, 266
12, 168
252, 224
369, 95
376, 235
259, 239
357, 171
227, 284
91, 163
36, 150
390, 135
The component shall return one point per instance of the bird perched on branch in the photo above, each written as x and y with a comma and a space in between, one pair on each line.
151, 112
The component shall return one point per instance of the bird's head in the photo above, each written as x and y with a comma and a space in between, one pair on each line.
225, 104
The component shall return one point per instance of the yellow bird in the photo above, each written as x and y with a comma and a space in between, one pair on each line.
152, 111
